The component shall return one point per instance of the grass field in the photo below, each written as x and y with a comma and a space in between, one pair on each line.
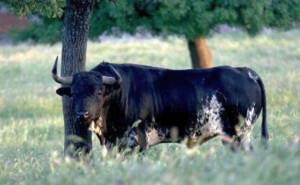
31, 124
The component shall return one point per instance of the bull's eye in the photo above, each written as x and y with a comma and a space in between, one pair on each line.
99, 93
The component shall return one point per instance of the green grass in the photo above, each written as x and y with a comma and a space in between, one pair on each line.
31, 123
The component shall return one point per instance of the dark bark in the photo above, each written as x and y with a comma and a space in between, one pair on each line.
200, 54
74, 44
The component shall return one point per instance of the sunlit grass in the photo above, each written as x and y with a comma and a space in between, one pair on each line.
31, 123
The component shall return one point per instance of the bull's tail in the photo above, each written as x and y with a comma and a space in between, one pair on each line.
264, 128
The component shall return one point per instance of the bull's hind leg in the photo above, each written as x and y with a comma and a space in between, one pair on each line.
244, 130
238, 136
240, 140
228, 136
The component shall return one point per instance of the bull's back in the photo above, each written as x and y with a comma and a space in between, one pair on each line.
173, 97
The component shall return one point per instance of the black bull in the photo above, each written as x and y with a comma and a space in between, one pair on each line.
135, 105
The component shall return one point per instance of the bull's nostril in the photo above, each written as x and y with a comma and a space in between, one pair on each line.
82, 115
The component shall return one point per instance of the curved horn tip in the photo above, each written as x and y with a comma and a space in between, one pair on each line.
54, 69
117, 74
57, 78
56, 61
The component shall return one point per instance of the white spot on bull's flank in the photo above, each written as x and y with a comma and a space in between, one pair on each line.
211, 113
208, 122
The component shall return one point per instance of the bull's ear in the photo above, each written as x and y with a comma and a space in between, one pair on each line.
64, 91
108, 89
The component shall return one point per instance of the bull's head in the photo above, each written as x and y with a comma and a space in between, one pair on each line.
87, 90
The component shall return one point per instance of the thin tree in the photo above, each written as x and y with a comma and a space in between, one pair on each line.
76, 22
75, 30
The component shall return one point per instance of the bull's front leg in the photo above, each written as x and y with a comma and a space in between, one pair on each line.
136, 138
102, 139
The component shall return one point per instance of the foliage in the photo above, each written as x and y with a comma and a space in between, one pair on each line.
31, 121
193, 19
50, 8
188, 18
49, 31
284, 13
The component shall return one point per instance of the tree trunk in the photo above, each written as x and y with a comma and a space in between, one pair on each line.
78, 140
200, 54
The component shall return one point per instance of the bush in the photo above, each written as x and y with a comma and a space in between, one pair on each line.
49, 31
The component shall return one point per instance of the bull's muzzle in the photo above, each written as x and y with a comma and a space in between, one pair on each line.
83, 116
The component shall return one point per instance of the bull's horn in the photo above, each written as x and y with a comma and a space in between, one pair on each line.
59, 79
112, 80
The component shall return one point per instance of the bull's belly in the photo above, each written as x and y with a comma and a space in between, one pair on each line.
193, 136
205, 124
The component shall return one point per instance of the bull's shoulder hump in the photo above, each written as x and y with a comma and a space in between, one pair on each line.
127, 66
